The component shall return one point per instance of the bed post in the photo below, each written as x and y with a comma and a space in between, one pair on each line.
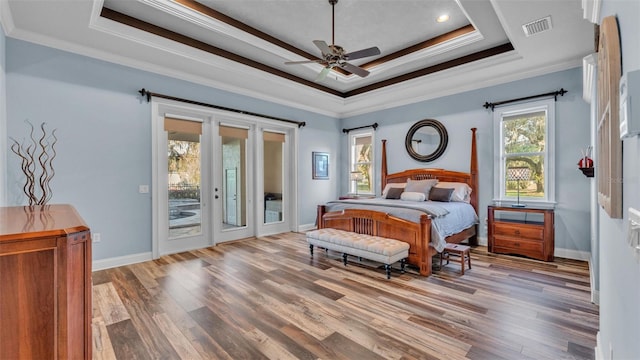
427, 251
474, 181
383, 166
474, 169
320, 212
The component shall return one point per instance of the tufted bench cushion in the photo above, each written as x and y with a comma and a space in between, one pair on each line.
376, 248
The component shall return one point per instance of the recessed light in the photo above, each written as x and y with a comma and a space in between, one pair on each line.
442, 18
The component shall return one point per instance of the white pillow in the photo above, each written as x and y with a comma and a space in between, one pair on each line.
461, 191
422, 186
412, 196
390, 185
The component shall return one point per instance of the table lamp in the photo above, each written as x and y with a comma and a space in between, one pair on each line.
518, 173
356, 176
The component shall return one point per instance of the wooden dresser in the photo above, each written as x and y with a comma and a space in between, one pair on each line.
45, 283
527, 231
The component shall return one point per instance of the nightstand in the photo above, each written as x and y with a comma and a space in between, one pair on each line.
527, 231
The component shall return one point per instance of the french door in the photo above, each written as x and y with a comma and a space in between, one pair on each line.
219, 176
233, 195
182, 181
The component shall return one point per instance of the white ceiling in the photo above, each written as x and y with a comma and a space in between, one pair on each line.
251, 61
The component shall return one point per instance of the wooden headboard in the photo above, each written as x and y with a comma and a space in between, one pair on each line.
471, 178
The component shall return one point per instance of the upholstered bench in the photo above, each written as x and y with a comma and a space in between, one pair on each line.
375, 248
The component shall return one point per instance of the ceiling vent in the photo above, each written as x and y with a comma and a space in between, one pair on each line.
537, 26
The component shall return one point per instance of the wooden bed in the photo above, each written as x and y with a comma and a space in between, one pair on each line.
416, 234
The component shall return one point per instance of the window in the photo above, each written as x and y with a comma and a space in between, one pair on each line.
361, 162
524, 164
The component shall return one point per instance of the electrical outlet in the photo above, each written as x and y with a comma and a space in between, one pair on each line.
96, 237
143, 189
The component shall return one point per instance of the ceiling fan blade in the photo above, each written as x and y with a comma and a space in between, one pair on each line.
323, 74
303, 62
354, 69
322, 46
362, 53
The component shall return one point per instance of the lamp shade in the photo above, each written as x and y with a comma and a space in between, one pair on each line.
356, 176
518, 173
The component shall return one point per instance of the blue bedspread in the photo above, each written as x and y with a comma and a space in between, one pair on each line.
448, 218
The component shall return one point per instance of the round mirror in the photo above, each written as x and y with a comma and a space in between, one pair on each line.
426, 140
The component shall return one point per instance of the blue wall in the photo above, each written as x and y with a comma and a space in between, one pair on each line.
104, 130
104, 151
463, 111
619, 263
3, 121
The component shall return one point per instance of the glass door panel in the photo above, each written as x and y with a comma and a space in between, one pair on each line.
234, 187
184, 183
274, 196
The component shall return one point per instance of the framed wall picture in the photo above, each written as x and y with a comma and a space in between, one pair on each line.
320, 161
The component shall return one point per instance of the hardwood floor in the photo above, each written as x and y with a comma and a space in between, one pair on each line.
267, 299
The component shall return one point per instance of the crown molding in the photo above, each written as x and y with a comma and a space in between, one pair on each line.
589, 65
591, 10
6, 19
439, 85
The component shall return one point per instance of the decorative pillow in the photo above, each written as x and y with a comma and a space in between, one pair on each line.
392, 185
394, 193
422, 186
461, 191
440, 194
412, 196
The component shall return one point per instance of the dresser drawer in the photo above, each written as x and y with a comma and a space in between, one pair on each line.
526, 231
504, 244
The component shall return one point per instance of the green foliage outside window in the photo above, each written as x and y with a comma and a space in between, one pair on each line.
524, 145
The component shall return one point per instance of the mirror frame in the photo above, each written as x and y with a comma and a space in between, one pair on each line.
444, 139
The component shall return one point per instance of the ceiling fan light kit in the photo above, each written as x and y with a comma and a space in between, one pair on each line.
334, 55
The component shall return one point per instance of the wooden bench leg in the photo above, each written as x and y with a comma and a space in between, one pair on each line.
403, 262
387, 268
344, 259
311, 250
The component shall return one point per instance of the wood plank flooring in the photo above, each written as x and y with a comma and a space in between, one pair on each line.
266, 298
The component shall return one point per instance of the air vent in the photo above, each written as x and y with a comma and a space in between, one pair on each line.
537, 26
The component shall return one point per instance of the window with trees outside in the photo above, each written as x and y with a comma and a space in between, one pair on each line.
361, 152
524, 140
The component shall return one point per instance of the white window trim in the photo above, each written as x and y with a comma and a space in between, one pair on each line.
547, 105
360, 133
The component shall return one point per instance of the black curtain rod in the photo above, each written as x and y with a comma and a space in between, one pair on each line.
149, 94
555, 94
374, 126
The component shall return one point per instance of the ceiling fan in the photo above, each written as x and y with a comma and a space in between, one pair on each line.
335, 56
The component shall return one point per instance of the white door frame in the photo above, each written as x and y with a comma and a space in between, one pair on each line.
161, 244
220, 234
289, 205
255, 214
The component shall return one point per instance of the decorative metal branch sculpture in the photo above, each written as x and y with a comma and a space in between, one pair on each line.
37, 164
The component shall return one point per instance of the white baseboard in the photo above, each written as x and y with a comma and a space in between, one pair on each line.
306, 227
595, 294
598, 349
121, 261
573, 254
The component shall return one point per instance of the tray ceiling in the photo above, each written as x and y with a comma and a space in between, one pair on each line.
241, 45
